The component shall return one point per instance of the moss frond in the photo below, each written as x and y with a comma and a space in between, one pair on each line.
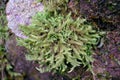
59, 43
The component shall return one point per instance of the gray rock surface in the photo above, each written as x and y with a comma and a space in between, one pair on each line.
20, 12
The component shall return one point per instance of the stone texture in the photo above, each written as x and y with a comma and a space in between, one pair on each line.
20, 12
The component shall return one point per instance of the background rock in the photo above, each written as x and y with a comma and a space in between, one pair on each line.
20, 12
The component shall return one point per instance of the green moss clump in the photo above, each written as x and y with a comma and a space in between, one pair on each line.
59, 43
3, 29
55, 5
3, 21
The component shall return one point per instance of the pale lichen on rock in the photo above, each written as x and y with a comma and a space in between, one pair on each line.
20, 12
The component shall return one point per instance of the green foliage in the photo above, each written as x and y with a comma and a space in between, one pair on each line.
55, 5
3, 28
59, 43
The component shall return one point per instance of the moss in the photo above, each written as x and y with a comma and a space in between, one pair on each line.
3, 28
55, 5
59, 43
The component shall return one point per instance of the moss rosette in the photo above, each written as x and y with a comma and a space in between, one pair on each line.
59, 43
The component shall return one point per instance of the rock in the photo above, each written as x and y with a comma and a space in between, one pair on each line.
20, 12
1, 42
107, 59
